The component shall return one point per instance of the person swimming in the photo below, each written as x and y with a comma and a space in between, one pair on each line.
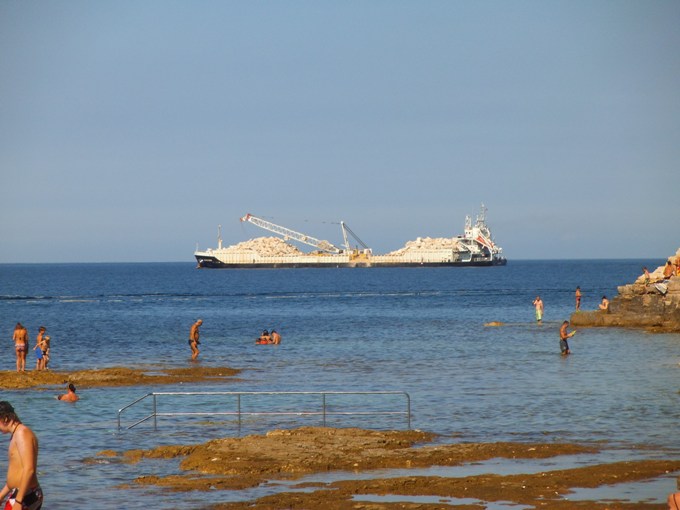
265, 338
70, 395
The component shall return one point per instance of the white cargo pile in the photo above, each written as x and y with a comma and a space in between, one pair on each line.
427, 244
265, 247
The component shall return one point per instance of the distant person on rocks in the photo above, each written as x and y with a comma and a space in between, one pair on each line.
20, 338
564, 335
668, 271
578, 298
275, 337
70, 395
46, 351
604, 304
648, 277
40, 349
538, 304
194, 341
22, 488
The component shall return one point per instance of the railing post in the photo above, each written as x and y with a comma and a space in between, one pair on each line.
408, 409
155, 413
323, 399
238, 398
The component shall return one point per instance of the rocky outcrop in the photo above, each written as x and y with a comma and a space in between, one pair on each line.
653, 305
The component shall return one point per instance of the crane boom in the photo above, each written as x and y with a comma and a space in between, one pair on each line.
292, 234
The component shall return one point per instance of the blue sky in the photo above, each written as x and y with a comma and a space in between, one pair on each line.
129, 130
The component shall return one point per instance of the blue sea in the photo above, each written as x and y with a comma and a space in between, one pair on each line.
414, 330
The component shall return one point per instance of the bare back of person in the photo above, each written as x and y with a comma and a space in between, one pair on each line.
20, 346
70, 395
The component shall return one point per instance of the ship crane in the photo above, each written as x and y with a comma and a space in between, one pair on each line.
345, 231
292, 234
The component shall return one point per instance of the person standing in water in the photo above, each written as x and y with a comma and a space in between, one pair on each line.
194, 335
538, 304
578, 298
564, 335
22, 489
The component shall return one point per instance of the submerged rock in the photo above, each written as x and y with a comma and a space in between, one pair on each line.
653, 305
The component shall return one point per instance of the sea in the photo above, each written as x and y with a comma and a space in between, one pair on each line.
419, 334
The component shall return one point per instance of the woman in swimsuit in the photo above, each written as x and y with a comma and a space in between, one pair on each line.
20, 338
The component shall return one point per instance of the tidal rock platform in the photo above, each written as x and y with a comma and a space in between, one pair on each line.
651, 303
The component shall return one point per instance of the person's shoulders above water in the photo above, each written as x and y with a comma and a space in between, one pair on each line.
70, 395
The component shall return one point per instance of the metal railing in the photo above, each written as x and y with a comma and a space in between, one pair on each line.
239, 395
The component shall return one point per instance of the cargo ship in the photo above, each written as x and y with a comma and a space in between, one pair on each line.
475, 247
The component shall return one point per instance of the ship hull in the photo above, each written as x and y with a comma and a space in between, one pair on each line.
214, 263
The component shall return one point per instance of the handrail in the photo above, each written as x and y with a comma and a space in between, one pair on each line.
239, 412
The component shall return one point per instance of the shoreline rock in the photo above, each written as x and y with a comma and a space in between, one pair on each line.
654, 306
279, 458
113, 376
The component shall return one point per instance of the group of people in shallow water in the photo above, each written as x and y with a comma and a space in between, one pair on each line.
22, 489
269, 338
564, 333
41, 348
670, 270
195, 334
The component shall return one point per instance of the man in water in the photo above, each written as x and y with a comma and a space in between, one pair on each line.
538, 303
194, 335
578, 298
275, 337
22, 485
70, 395
564, 335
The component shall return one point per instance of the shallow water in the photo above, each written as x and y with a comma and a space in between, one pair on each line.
419, 331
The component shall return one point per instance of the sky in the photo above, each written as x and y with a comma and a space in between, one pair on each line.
129, 130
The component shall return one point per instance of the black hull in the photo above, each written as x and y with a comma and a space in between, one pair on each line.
213, 263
